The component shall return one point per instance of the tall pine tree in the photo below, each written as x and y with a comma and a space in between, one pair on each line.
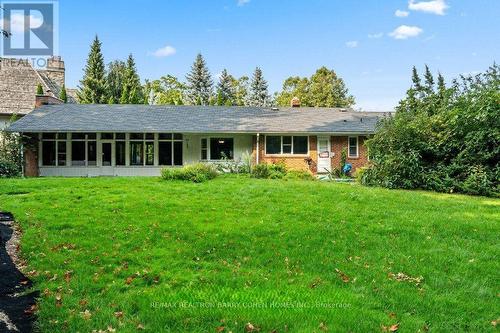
429, 80
92, 89
200, 85
115, 79
132, 90
225, 89
259, 95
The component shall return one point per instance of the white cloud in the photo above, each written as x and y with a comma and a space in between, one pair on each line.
437, 7
401, 13
17, 22
164, 51
352, 44
243, 2
405, 32
377, 35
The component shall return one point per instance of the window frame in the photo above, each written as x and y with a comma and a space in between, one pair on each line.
291, 154
172, 139
56, 140
209, 151
349, 146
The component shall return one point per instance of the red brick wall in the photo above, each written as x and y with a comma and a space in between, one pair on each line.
292, 162
341, 142
31, 162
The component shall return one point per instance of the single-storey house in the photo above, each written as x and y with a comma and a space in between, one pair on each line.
140, 140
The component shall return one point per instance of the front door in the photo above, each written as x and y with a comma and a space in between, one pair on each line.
107, 157
324, 160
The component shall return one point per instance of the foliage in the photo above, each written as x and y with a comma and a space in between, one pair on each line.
63, 95
258, 95
299, 175
10, 154
143, 244
269, 171
225, 89
441, 139
323, 89
114, 80
241, 88
199, 83
196, 173
39, 89
92, 89
132, 90
239, 165
165, 91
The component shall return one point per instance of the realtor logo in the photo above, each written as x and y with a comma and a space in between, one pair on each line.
30, 28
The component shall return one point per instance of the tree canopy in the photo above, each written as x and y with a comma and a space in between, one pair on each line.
92, 87
441, 138
199, 82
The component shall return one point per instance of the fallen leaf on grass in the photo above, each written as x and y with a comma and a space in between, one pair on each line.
67, 276
32, 309
402, 277
392, 328
249, 327
323, 327
495, 322
118, 314
140, 326
220, 329
86, 314
342, 275
58, 300
83, 302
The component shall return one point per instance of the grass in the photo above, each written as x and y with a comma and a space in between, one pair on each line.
296, 256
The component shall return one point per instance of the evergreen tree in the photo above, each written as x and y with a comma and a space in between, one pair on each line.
240, 88
429, 80
92, 87
115, 79
132, 90
441, 86
225, 90
259, 95
417, 84
200, 83
39, 89
62, 95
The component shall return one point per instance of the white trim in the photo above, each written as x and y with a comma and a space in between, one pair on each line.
209, 152
349, 147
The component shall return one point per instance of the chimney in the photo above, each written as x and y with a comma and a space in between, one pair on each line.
295, 102
46, 100
56, 70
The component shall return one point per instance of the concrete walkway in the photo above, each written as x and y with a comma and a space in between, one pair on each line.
16, 302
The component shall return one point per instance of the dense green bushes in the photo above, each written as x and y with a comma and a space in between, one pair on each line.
10, 155
196, 173
279, 171
441, 139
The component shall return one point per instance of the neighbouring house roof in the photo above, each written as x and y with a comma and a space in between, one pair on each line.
194, 119
18, 82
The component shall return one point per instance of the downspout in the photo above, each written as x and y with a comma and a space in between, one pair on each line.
22, 156
258, 150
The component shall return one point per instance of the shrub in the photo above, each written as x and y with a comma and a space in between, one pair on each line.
9, 169
196, 173
477, 182
270, 171
299, 175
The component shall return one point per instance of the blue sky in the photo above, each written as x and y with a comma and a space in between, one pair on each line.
360, 40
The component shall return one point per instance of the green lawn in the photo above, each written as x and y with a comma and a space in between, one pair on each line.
296, 256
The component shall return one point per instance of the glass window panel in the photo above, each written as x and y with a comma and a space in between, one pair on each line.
221, 147
204, 149
150, 136
353, 146
300, 145
165, 136
120, 136
287, 140
178, 153
150, 153
107, 136
136, 153
49, 152
61, 136
136, 136
120, 153
287, 149
177, 136
78, 136
165, 153
61, 153
50, 136
92, 153
91, 136
273, 145
78, 153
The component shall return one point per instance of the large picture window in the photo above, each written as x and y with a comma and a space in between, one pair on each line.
287, 145
221, 148
170, 149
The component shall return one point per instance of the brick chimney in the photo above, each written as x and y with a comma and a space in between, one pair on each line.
46, 100
56, 70
295, 102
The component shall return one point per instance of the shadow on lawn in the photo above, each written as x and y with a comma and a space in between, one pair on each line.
16, 306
